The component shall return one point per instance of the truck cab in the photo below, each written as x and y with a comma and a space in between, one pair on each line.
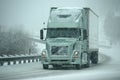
67, 39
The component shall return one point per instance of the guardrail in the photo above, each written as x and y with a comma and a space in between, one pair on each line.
19, 59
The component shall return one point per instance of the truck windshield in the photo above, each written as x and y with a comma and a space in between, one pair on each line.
63, 32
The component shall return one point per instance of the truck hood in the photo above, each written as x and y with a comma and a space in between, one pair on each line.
61, 41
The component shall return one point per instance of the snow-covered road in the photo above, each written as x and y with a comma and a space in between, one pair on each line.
107, 69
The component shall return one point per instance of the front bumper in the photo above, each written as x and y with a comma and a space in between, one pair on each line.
61, 61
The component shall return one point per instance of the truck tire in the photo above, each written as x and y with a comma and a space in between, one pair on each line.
94, 57
88, 62
45, 66
78, 66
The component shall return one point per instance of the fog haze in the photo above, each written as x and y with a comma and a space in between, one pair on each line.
32, 13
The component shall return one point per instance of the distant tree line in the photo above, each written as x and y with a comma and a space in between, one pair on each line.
15, 42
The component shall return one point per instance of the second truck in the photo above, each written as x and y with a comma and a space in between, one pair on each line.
71, 38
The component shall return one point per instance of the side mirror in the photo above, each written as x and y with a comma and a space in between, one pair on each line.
85, 34
41, 34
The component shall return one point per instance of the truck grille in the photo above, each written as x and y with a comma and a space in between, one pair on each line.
59, 50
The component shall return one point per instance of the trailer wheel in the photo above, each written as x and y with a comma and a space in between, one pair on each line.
94, 57
78, 66
45, 66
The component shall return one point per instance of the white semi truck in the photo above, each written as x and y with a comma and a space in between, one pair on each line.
71, 38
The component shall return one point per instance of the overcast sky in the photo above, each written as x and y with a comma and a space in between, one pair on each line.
32, 13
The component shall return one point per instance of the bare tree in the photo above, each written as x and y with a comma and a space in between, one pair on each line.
15, 41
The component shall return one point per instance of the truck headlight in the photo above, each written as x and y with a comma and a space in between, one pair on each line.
76, 54
43, 54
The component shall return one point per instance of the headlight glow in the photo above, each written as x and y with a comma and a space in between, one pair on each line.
43, 54
76, 54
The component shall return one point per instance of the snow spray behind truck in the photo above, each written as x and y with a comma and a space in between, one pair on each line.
71, 38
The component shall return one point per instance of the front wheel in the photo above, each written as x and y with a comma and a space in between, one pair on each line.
87, 65
86, 60
45, 66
